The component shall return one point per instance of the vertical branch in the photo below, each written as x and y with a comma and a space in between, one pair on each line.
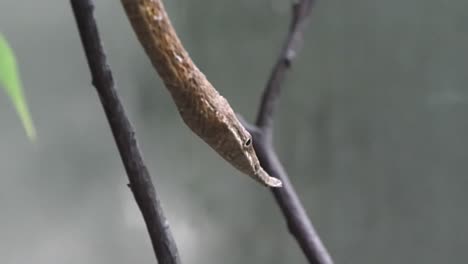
293, 211
124, 135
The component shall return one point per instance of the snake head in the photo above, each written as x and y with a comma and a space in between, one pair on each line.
241, 154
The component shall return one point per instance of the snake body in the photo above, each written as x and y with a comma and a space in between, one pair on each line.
201, 107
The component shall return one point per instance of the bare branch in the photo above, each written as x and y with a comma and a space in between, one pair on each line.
124, 135
298, 222
269, 103
293, 211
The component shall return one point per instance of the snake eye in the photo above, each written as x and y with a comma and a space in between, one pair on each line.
248, 142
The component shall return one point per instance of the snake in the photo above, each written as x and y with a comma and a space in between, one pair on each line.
207, 113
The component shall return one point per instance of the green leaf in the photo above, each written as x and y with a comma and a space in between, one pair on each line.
10, 81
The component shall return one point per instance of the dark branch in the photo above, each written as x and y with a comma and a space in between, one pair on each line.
298, 222
296, 217
291, 46
124, 135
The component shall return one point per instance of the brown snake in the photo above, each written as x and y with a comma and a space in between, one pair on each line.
202, 108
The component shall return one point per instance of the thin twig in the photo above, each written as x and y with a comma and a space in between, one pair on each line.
296, 217
269, 101
124, 135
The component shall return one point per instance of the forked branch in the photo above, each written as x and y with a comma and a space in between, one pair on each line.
296, 217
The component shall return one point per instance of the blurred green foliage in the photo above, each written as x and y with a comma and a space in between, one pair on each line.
11, 82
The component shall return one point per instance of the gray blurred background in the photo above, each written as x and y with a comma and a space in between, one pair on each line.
371, 129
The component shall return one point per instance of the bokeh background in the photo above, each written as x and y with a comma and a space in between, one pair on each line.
372, 129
